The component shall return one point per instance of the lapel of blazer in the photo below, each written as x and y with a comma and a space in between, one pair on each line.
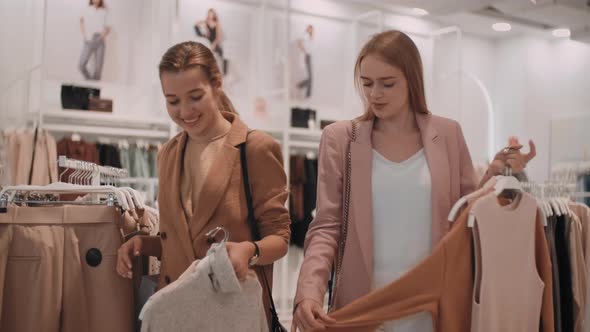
222, 169
361, 191
173, 170
438, 163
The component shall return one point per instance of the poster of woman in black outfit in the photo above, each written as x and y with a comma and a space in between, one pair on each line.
210, 28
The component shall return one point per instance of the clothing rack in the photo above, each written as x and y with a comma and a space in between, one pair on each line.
570, 171
553, 189
97, 172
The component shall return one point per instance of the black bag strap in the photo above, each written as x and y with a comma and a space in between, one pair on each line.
253, 226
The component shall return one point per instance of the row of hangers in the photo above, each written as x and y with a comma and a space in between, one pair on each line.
88, 178
569, 171
553, 198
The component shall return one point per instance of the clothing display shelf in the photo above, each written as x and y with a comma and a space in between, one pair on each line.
105, 124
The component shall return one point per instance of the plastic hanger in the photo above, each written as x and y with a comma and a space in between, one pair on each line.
455, 209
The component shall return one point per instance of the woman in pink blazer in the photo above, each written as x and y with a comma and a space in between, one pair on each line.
398, 130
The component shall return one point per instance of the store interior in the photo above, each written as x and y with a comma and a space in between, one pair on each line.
500, 68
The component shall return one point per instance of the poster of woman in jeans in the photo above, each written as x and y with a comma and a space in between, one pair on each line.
94, 31
305, 45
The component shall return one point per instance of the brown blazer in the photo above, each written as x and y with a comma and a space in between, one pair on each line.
222, 200
452, 175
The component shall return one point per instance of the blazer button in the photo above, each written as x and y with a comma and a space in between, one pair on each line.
167, 280
163, 235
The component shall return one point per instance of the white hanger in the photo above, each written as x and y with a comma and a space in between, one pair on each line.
487, 186
506, 183
555, 206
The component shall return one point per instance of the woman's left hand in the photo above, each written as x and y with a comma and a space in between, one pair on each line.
513, 157
239, 254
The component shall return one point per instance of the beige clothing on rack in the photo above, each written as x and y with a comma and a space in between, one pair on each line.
45, 163
20, 155
198, 158
583, 213
578, 275
508, 290
57, 270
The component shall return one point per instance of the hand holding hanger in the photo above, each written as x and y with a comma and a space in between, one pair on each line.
512, 156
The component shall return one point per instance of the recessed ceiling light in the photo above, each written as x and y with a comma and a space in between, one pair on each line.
502, 26
419, 12
563, 32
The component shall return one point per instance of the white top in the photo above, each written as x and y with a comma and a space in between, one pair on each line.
95, 20
308, 43
402, 219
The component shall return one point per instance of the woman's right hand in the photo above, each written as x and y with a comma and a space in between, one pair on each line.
310, 316
125, 255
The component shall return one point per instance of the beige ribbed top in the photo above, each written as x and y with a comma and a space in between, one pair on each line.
198, 158
508, 294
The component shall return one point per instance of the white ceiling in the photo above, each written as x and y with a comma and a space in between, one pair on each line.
477, 16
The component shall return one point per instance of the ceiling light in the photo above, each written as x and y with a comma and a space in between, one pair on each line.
563, 32
419, 12
502, 26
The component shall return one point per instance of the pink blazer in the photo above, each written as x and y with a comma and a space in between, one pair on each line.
452, 174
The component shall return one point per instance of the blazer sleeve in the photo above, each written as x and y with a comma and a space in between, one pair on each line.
268, 183
321, 241
467, 172
543, 262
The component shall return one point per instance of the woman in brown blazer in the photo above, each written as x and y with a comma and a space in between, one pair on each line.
200, 180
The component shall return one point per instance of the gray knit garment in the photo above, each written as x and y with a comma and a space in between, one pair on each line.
207, 297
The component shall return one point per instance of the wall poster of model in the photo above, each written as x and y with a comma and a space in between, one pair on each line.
227, 28
94, 29
95, 41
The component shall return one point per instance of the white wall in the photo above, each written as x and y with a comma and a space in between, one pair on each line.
537, 81
21, 35
478, 68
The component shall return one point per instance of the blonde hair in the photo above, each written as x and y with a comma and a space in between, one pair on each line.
397, 49
190, 54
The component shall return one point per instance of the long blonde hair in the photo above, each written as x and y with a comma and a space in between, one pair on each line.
190, 54
397, 49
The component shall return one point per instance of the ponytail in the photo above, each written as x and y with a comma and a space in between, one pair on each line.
225, 104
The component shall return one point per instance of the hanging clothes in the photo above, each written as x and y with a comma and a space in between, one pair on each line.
207, 297
57, 270
551, 244
565, 280
108, 155
5, 170
31, 156
441, 285
302, 200
79, 150
583, 213
510, 296
578, 272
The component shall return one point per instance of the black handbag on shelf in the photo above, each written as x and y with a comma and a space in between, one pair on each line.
77, 97
275, 323
301, 117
